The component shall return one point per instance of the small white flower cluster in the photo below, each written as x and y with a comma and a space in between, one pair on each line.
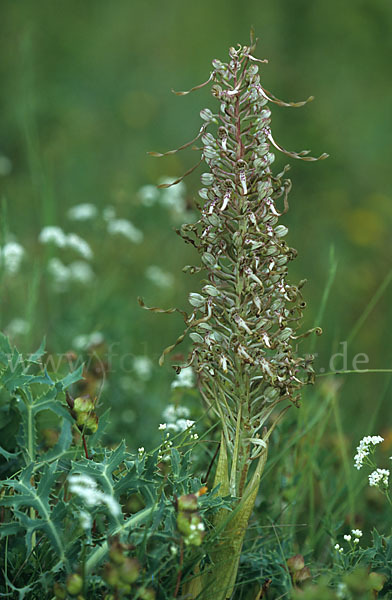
198, 527
172, 198
55, 235
159, 277
18, 327
86, 520
149, 195
140, 451
354, 537
11, 256
365, 448
143, 367
176, 420
125, 228
185, 379
86, 341
357, 533
82, 212
379, 477
86, 488
342, 591
164, 450
108, 213
78, 271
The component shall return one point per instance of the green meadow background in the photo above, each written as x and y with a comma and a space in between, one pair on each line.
86, 93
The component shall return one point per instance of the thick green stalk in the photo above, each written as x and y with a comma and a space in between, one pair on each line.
101, 551
230, 529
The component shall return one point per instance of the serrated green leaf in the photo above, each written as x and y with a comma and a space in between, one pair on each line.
8, 455
102, 473
48, 401
21, 591
7, 529
71, 378
103, 424
26, 494
34, 358
61, 448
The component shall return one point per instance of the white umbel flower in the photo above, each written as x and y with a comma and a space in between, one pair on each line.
379, 477
126, 229
159, 277
364, 448
356, 533
143, 367
81, 272
53, 235
79, 245
12, 256
149, 195
82, 212
184, 379
87, 489
86, 341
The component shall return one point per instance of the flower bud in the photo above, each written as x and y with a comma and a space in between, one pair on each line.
146, 594
296, 563
377, 581
203, 193
87, 423
285, 334
187, 502
111, 575
281, 230
208, 259
214, 220
206, 114
59, 591
211, 290
129, 570
210, 152
195, 337
207, 178
208, 139
196, 300
83, 404
116, 553
302, 575
74, 584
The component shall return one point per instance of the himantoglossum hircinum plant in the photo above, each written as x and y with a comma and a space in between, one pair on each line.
245, 319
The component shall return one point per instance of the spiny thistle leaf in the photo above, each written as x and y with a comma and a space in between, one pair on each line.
26, 494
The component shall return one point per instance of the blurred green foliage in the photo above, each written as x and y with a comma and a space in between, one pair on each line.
86, 93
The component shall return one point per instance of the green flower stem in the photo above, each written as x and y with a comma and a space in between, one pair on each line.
244, 320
